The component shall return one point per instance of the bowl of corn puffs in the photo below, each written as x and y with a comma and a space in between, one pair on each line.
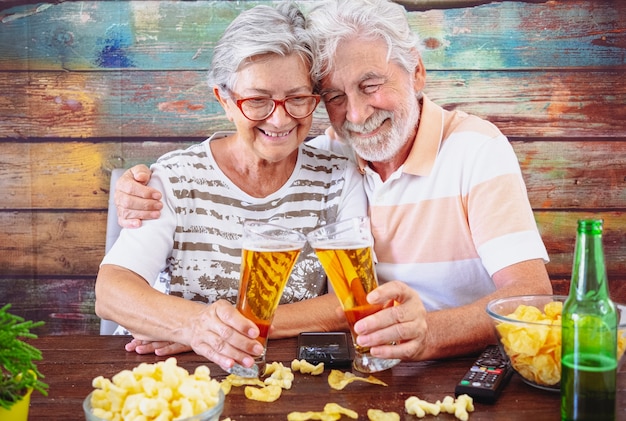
161, 391
528, 329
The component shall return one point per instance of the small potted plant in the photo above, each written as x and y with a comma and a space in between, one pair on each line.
19, 375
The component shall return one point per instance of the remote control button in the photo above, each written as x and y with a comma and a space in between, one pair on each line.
491, 362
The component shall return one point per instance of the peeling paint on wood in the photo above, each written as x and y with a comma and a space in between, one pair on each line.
154, 35
179, 103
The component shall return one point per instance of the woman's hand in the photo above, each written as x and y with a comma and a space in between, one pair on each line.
223, 335
218, 332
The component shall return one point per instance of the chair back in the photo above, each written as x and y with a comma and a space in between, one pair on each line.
107, 327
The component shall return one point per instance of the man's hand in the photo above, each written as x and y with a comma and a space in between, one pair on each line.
398, 330
134, 200
161, 348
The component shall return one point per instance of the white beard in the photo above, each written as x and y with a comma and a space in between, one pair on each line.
385, 145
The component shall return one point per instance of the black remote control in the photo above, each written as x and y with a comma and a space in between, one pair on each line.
487, 377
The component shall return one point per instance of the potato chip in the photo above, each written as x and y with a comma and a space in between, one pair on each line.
535, 350
553, 310
621, 343
334, 408
226, 386
312, 415
243, 381
546, 369
339, 380
233, 380
263, 394
527, 313
378, 415
331, 412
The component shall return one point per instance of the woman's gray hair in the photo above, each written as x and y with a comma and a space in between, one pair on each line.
256, 32
332, 21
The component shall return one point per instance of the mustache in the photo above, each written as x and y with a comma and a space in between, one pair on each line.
372, 123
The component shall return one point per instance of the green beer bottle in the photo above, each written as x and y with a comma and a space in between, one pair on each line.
589, 333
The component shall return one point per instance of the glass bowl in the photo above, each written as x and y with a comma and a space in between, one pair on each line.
534, 347
211, 414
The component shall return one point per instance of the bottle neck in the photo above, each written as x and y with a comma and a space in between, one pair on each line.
589, 280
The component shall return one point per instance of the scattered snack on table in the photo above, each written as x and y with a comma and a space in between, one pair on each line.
161, 391
339, 379
263, 394
279, 375
332, 411
305, 367
334, 408
234, 380
460, 407
447, 405
378, 415
309, 415
419, 407
268, 390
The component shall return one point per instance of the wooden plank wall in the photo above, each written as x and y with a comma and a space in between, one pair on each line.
89, 86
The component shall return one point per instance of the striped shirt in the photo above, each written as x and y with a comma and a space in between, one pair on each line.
197, 239
454, 213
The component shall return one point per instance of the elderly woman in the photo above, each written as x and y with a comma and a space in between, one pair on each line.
261, 75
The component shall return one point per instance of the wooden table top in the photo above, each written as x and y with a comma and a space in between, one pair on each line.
71, 362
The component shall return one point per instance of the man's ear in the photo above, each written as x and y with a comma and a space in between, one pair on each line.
223, 102
419, 77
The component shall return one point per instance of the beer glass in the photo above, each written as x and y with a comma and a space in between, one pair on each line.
345, 251
269, 253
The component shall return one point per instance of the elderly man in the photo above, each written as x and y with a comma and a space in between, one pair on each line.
452, 225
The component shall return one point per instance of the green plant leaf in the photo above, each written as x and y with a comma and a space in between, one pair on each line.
18, 371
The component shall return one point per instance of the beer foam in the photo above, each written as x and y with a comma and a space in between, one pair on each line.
343, 244
269, 246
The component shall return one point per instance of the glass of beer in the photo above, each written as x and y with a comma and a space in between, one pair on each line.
345, 251
269, 253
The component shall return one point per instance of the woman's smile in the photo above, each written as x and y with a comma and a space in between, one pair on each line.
276, 134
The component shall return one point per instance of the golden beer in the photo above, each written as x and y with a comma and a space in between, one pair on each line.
268, 255
344, 249
350, 269
264, 275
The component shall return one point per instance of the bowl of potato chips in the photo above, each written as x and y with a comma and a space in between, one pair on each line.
160, 391
528, 328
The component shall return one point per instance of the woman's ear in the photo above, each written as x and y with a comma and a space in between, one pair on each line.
223, 102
